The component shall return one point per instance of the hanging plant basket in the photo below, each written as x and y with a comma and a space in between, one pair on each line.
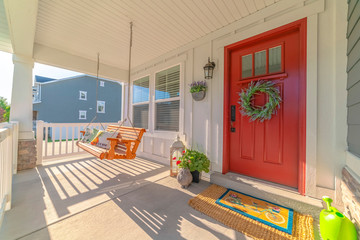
198, 96
198, 90
261, 113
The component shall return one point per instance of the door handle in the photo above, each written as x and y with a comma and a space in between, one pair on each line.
233, 113
233, 117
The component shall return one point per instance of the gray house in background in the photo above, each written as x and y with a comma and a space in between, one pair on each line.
78, 94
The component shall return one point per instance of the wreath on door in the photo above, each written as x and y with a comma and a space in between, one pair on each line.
261, 113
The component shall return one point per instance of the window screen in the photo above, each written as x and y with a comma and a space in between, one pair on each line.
141, 90
167, 87
140, 116
167, 116
167, 83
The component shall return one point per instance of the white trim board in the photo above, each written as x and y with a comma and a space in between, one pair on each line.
353, 162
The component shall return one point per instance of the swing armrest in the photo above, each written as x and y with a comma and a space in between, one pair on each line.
83, 132
128, 141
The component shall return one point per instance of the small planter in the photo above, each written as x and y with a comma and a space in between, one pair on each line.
198, 96
196, 176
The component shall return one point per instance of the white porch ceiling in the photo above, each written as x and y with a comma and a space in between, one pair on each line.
5, 42
84, 27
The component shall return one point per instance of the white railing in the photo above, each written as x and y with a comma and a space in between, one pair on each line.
9, 133
55, 140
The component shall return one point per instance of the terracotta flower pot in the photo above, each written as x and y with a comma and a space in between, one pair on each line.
198, 96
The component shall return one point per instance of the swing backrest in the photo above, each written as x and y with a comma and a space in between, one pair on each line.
126, 133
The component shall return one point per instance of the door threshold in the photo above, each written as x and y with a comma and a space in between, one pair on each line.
272, 192
252, 180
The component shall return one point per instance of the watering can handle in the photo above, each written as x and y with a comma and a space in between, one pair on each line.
328, 201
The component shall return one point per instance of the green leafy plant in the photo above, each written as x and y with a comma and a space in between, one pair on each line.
4, 110
194, 160
198, 86
260, 113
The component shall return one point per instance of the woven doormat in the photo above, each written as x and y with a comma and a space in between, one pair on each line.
205, 202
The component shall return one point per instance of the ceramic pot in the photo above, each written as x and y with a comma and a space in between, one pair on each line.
198, 96
184, 177
196, 176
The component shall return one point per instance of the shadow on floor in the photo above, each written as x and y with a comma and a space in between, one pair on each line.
118, 199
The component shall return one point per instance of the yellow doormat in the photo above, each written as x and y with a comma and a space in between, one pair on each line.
205, 202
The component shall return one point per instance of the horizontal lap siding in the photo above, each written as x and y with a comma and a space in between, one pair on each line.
353, 84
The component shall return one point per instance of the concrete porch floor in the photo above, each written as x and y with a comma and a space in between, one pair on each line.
84, 198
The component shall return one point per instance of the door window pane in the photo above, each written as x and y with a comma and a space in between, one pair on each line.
246, 63
141, 116
275, 59
167, 116
260, 63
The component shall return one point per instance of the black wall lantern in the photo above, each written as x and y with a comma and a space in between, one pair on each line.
209, 69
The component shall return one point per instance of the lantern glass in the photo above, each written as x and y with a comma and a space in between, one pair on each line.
209, 69
176, 151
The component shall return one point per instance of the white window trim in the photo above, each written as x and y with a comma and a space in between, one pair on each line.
102, 84
84, 99
97, 106
80, 113
168, 99
151, 71
180, 98
152, 101
131, 91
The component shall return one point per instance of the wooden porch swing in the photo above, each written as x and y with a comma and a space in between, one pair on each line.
124, 141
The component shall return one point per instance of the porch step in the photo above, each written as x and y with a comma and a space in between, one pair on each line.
271, 192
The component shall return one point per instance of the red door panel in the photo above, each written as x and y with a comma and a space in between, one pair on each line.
268, 150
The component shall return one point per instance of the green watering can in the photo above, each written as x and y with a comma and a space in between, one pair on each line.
334, 225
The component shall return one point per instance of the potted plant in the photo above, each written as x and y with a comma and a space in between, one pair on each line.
195, 161
198, 90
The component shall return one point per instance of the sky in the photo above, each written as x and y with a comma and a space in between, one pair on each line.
7, 68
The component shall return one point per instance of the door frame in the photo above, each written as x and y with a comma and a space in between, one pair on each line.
300, 26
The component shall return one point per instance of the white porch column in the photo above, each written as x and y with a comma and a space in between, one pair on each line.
21, 17
21, 110
21, 100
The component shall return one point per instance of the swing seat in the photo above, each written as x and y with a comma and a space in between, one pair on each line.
122, 146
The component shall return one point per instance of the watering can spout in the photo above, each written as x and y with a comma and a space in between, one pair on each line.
328, 202
334, 225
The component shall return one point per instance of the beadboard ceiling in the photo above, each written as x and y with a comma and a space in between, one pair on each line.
5, 42
85, 27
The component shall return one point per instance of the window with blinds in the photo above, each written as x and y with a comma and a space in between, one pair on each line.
141, 116
141, 90
167, 83
167, 116
141, 102
167, 99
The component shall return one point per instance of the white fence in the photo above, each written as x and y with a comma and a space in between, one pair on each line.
9, 133
55, 140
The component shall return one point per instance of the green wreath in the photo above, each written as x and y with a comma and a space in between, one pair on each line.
266, 111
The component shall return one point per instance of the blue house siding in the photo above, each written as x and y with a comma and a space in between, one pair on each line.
60, 101
353, 69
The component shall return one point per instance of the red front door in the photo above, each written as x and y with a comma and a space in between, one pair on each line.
269, 150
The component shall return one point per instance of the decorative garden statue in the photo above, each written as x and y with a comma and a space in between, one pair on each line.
184, 177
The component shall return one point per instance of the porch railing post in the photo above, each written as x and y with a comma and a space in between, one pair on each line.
39, 141
15, 142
